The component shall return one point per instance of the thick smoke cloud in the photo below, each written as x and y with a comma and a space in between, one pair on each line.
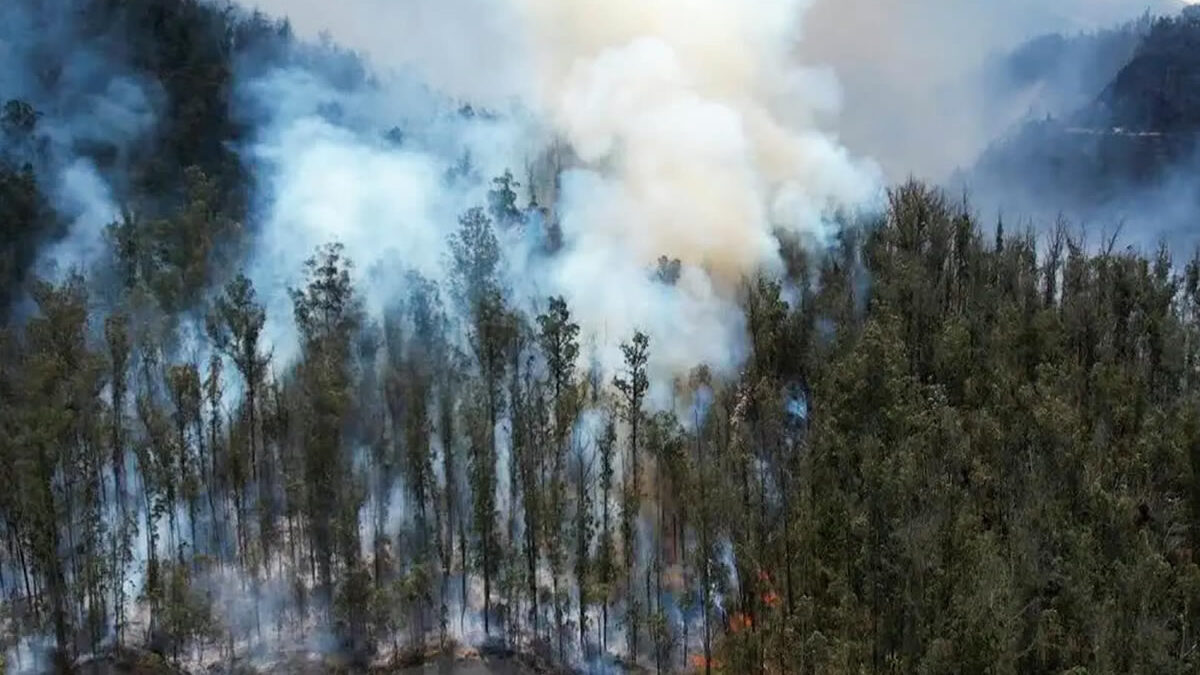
329, 172
694, 132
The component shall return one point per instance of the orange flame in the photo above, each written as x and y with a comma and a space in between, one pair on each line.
699, 662
739, 621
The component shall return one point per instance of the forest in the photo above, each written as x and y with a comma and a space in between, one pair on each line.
954, 444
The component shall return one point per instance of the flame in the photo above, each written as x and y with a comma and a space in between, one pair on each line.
700, 663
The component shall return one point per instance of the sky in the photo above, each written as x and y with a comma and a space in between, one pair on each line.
905, 69
892, 60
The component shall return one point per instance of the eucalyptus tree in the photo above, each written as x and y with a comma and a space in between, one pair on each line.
328, 313
632, 386
559, 340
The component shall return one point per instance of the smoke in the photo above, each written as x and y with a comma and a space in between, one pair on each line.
694, 135
83, 194
330, 173
919, 94
653, 128
92, 110
698, 130
956, 92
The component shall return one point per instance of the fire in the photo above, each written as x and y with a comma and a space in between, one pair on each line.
739, 622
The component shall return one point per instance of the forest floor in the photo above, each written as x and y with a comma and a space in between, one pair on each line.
137, 662
151, 666
468, 668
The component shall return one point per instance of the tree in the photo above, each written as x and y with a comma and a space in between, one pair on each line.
174, 258
55, 464
117, 339
632, 387
558, 338
605, 555
502, 200
582, 531
25, 217
476, 258
235, 327
328, 313
183, 384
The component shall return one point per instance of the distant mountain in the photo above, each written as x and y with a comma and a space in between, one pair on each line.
1126, 152
1066, 71
1159, 88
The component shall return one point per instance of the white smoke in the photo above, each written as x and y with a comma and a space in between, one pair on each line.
82, 192
695, 134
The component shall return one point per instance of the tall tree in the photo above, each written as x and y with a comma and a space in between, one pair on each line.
491, 327
328, 313
606, 555
559, 340
61, 377
502, 200
632, 386
235, 327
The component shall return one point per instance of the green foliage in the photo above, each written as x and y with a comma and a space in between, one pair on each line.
187, 615
475, 260
328, 313
175, 258
235, 327
25, 217
502, 200
949, 450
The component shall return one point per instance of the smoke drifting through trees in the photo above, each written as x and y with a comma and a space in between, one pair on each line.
701, 153
558, 373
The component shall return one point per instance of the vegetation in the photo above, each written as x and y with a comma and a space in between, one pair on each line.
950, 449
984, 461
1124, 142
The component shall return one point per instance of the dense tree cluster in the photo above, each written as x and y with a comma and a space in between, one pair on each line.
949, 449
944, 453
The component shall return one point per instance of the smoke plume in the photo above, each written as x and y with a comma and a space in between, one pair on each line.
693, 132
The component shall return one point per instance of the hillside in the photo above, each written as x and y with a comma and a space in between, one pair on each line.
307, 365
1158, 90
1125, 155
